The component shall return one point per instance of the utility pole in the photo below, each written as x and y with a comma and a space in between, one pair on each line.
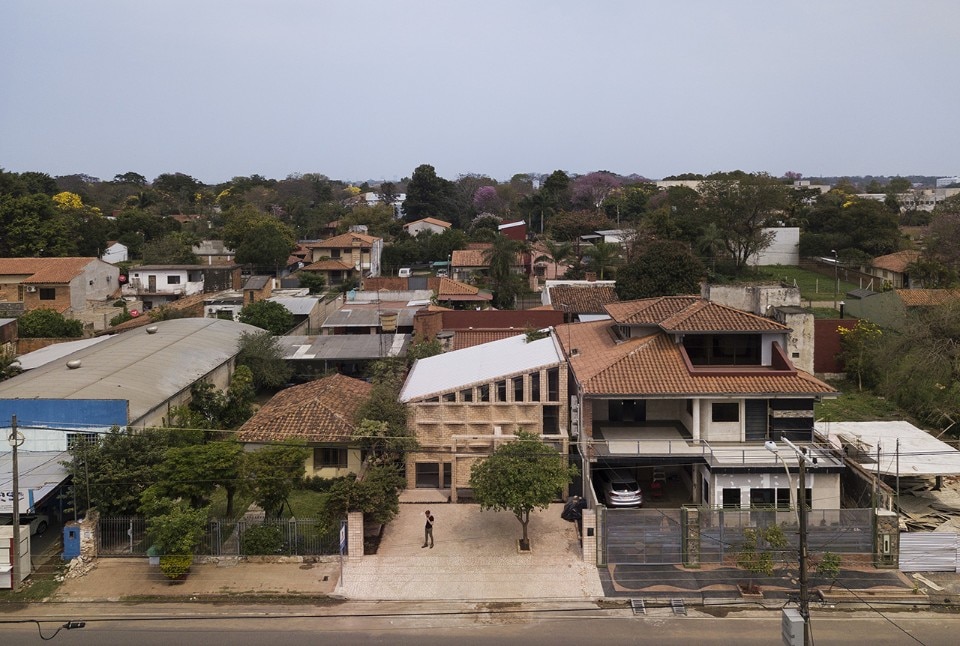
15, 557
804, 589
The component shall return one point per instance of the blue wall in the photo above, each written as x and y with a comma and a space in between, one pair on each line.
64, 413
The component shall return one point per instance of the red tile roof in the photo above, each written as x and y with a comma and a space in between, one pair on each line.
469, 258
44, 270
896, 262
319, 411
433, 221
654, 366
344, 241
582, 299
469, 338
927, 297
328, 265
689, 314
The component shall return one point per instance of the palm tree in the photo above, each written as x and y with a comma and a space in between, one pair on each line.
502, 256
603, 255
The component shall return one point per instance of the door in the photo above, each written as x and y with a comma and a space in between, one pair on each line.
755, 422
152, 284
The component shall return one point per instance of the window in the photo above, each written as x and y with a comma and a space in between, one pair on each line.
335, 254
466, 395
518, 389
75, 439
726, 412
553, 384
501, 391
329, 457
48, 294
485, 393
731, 498
427, 475
551, 420
173, 280
535, 387
762, 498
449, 397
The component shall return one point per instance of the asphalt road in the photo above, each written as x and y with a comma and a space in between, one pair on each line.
491, 625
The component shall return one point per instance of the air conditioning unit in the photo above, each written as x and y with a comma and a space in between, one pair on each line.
31, 289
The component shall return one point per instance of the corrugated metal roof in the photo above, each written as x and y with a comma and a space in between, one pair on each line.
363, 317
43, 356
344, 347
41, 472
144, 369
480, 363
300, 306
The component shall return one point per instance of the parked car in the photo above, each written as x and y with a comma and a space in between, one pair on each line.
38, 522
405, 272
621, 489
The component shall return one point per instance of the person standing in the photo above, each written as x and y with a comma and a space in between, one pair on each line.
428, 529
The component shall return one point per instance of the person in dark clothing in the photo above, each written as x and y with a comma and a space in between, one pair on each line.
428, 529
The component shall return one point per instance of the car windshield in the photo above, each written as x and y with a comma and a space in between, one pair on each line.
624, 486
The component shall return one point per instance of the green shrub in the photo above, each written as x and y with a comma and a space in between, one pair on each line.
262, 539
175, 566
122, 317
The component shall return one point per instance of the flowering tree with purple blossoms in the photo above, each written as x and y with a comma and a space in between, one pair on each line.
593, 188
486, 199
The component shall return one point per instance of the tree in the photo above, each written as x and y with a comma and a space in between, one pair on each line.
662, 268
602, 255
258, 239
48, 324
9, 364
761, 549
313, 281
503, 256
377, 495
521, 476
172, 249
741, 209
592, 189
261, 352
271, 473
428, 195
194, 472
382, 418
269, 315
116, 469
859, 346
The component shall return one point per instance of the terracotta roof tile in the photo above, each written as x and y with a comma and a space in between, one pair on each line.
469, 338
328, 265
468, 258
897, 261
44, 270
433, 221
344, 241
689, 314
654, 366
582, 299
450, 287
927, 297
318, 411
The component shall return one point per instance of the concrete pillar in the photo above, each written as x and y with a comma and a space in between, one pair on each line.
886, 540
690, 535
696, 419
589, 538
354, 535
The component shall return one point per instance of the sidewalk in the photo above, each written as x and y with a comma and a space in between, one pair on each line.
475, 558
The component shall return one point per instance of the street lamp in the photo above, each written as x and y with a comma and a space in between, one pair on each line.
802, 459
15, 439
836, 277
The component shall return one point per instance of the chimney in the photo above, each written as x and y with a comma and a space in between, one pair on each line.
591, 276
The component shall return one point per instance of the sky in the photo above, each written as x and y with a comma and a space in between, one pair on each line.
370, 89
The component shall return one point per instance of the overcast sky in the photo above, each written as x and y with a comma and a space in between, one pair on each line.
365, 89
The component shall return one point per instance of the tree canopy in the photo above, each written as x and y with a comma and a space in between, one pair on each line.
521, 476
48, 324
660, 268
269, 315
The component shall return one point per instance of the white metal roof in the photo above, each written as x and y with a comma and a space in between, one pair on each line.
298, 306
40, 473
144, 369
40, 357
919, 453
478, 364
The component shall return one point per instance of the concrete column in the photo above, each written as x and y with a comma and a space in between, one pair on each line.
354, 535
690, 533
589, 538
696, 419
886, 540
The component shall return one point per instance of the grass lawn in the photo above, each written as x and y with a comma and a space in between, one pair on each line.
813, 286
856, 406
218, 504
305, 504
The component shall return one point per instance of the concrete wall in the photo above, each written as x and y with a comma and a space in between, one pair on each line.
756, 299
825, 487
784, 250
801, 343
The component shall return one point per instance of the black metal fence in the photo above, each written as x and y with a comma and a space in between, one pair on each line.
127, 536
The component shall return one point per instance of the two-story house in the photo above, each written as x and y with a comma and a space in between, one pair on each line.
463, 404
357, 250
688, 389
157, 285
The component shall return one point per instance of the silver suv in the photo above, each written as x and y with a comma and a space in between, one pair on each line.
621, 489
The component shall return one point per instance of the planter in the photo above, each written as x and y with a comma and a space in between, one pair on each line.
524, 547
752, 592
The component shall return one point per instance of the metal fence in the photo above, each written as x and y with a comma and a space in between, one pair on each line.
127, 536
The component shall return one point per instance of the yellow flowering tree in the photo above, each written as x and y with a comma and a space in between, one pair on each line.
859, 346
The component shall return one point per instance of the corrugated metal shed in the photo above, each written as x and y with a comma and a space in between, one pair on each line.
145, 369
477, 364
298, 306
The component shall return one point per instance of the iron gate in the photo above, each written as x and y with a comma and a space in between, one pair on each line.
641, 536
